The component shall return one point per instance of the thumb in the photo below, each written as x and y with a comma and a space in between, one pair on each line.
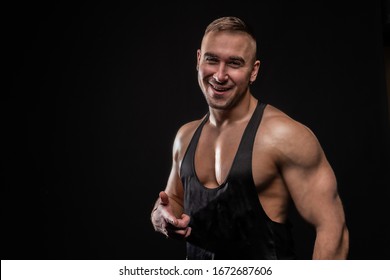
164, 200
183, 221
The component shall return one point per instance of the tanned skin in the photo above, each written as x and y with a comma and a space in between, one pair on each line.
288, 161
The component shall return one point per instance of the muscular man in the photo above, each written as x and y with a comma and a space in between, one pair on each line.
235, 170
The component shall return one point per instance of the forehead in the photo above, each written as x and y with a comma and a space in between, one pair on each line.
229, 43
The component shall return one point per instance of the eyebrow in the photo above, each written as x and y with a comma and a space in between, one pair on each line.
209, 54
234, 58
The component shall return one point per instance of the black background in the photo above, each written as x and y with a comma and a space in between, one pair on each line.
99, 89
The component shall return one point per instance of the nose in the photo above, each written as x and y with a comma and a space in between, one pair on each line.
220, 76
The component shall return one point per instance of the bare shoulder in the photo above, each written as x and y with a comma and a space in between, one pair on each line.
183, 137
288, 138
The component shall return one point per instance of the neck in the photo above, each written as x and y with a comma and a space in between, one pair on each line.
241, 112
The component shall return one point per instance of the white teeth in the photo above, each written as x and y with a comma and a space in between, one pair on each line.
216, 87
220, 89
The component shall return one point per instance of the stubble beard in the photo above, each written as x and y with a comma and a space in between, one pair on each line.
226, 105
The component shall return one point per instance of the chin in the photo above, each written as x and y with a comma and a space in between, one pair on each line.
219, 105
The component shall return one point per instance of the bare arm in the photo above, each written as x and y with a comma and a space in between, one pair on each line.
313, 188
167, 215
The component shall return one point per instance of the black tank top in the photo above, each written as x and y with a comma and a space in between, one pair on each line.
228, 222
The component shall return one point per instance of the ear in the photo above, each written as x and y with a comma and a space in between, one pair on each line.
255, 71
198, 55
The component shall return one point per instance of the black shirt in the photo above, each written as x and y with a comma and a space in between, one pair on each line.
228, 222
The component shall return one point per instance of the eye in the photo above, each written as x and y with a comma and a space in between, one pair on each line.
235, 63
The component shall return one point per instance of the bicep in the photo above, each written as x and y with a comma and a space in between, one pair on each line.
314, 193
312, 183
174, 187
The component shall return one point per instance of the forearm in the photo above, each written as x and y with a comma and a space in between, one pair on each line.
331, 244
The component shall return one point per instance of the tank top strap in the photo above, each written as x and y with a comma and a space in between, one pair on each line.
243, 159
187, 165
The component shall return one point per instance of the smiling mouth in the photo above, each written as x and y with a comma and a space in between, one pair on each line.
219, 89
